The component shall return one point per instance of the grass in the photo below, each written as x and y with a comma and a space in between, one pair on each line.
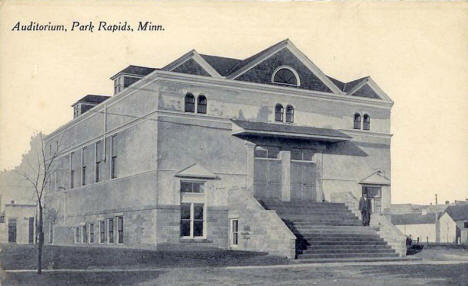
69, 257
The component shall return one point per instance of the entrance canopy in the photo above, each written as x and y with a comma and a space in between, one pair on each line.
262, 129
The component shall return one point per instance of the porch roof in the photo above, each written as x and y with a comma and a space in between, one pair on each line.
242, 127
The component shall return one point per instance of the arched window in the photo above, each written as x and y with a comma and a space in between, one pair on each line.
357, 121
366, 122
189, 103
289, 114
201, 104
279, 112
285, 76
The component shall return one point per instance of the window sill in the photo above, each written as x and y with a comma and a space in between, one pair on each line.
195, 240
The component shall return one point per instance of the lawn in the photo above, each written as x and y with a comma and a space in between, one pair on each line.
367, 275
69, 257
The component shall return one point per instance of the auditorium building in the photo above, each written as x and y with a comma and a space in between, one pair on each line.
266, 153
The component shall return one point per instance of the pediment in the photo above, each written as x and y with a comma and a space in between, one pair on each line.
192, 63
260, 68
376, 178
196, 171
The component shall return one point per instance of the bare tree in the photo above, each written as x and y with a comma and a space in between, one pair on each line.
36, 168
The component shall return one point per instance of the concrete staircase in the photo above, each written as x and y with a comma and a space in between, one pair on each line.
330, 231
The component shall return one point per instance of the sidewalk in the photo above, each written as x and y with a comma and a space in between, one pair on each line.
282, 266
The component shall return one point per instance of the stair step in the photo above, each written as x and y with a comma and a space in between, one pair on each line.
316, 230
349, 242
348, 247
329, 231
355, 259
340, 235
340, 251
331, 223
346, 255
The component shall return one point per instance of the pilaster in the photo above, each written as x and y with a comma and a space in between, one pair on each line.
285, 157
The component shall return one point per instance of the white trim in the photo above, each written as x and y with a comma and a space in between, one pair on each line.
298, 79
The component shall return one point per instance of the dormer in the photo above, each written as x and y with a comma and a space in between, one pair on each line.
129, 76
86, 103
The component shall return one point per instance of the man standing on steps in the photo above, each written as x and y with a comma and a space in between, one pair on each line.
365, 208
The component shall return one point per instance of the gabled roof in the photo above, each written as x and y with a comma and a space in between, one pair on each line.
458, 212
287, 131
413, 218
196, 171
266, 51
376, 178
135, 70
231, 68
222, 65
92, 98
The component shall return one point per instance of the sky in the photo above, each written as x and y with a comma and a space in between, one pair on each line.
416, 52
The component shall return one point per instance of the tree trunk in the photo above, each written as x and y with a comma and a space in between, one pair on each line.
41, 242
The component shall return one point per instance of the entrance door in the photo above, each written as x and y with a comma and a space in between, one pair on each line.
267, 178
374, 193
303, 181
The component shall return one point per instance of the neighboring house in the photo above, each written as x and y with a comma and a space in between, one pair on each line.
17, 223
185, 153
454, 224
421, 227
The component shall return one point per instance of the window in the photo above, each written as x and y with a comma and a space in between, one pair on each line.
116, 85
72, 171
189, 103
302, 154
234, 232
266, 152
102, 231
128, 81
290, 114
201, 104
110, 225
191, 187
83, 165
12, 230
51, 232
279, 113
98, 160
465, 224
366, 122
91, 233
114, 157
31, 230
285, 76
120, 229
85, 234
192, 220
75, 111
357, 121
77, 234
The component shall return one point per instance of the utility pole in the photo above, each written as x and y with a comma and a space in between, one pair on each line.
436, 199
